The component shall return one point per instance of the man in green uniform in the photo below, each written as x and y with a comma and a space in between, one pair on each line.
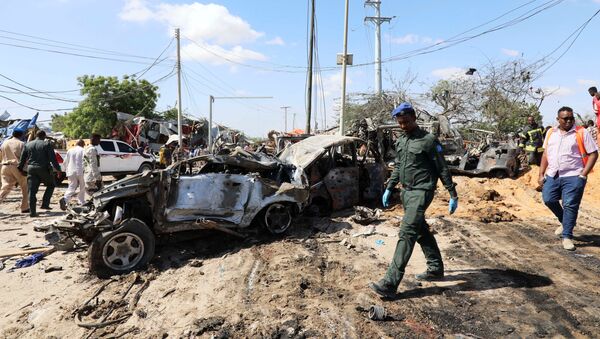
532, 140
419, 164
40, 157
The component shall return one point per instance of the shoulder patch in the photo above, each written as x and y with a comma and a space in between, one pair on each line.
439, 148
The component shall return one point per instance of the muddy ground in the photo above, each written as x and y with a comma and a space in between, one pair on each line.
506, 276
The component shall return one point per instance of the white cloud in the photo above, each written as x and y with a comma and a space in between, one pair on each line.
216, 54
135, 10
276, 41
510, 52
410, 38
210, 25
586, 82
558, 91
450, 72
332, 84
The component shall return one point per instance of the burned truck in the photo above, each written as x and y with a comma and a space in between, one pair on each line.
227, 193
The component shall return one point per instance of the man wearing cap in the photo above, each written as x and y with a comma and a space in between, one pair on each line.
10, 154
419, 164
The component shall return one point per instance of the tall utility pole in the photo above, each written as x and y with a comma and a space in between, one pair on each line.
179, 112
342, 130
211, 100
285, 108
377, 20
310, 67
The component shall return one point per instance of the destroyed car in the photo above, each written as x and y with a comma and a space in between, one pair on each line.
228, 193
493, 158
339, 177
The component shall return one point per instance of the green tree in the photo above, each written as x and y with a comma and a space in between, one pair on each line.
169, 114
104, 97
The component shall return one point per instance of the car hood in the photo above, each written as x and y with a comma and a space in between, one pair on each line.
304, 153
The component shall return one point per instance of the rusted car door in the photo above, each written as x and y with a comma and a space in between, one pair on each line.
342, 180
210, 195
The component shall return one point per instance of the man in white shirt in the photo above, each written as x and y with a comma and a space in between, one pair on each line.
74, 167
91, 169
569, 155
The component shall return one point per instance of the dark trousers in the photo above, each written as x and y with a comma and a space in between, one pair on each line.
35, 177
570, 191
534, 158
413, 230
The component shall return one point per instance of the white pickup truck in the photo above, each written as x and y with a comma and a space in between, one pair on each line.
116, 158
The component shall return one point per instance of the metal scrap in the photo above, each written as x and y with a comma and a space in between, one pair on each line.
364, 215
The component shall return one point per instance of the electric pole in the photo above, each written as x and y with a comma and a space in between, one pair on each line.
377, 20
342, 130
310, 67
285, 108
179, 112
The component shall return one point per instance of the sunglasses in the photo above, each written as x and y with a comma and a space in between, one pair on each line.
568, 118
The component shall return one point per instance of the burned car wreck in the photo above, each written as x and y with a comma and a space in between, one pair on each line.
342, 171
228, 193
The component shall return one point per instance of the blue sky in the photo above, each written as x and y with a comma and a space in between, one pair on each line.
259, 36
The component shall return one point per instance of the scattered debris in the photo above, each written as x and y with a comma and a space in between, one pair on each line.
364, 215
52, 269
168, 292
29, 261
379, 242
196, 263
20, 234
377, 312
11, 229
209, 324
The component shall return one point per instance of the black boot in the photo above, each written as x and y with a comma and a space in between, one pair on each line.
383, 289
430, 276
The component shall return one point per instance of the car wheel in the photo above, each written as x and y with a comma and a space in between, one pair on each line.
145, 167
123, 250
277, 218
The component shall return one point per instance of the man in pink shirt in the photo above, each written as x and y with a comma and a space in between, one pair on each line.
563, 171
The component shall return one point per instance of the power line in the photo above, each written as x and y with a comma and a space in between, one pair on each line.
37, 109
98, 50
575, 33
75, 54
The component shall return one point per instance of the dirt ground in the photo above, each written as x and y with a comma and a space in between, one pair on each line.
506, 276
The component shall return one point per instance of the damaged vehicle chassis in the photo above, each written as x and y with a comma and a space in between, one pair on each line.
227, 193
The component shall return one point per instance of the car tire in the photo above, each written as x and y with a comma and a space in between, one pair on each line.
277, 218
145, 167
128, 248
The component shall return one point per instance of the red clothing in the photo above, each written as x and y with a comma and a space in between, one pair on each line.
596, 106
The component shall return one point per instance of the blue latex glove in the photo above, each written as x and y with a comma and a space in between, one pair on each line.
29, 261
452, 205
386, 198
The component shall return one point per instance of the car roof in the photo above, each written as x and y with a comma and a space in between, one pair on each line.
305, 152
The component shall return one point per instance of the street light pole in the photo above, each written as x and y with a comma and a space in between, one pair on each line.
210, 110
285, 108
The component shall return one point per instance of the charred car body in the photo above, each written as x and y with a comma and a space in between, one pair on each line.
226, 193
338, 175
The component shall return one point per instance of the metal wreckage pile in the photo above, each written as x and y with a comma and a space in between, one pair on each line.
234, 191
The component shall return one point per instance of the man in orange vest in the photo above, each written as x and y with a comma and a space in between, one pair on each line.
569, 155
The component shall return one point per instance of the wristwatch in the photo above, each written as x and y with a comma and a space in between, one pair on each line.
584, 177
